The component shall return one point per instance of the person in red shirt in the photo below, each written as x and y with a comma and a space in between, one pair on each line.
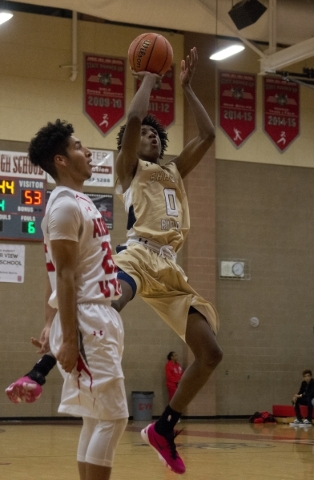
173, 372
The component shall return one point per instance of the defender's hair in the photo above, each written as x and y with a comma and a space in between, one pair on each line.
307, 371
152, 122
51, 140
170, 355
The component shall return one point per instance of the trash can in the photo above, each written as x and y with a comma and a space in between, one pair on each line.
142, 403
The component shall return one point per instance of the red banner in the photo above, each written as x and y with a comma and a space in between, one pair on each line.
237, 105
161, 102
104, 91
281, 111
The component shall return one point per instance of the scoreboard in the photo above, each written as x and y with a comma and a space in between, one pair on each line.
22, 207
23, 194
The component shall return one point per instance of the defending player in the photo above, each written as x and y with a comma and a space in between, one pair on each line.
86, 335
158, 223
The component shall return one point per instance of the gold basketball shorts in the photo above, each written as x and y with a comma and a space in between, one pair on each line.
163, 285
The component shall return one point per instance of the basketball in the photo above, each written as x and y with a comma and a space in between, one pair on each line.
150, 52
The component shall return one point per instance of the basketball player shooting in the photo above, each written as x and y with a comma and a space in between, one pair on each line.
158, 223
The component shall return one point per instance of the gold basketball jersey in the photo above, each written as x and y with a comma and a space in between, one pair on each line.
156, 205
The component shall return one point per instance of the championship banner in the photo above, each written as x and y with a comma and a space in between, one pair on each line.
104, 91
161, 102
237, 105
281, 111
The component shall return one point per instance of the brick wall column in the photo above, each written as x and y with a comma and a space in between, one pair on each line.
199, 254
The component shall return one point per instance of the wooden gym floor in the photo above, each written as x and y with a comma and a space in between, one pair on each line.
212, 450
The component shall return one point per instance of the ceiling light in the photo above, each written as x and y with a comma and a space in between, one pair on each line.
5, 16
227, 52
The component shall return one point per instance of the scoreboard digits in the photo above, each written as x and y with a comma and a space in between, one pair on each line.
22, 206
7, 186
29, 227
31, 197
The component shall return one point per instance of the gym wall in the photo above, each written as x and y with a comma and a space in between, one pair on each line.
252, 203
35, 90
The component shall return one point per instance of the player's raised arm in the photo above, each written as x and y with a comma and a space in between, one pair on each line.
128, 158
194, 151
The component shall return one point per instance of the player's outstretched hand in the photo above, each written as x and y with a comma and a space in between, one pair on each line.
188, 67
23, 390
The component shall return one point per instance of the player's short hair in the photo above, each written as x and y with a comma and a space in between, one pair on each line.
50, 140
307, 371
151, 121
170, 355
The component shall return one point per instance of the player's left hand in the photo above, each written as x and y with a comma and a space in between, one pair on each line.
188, 67
43, 342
